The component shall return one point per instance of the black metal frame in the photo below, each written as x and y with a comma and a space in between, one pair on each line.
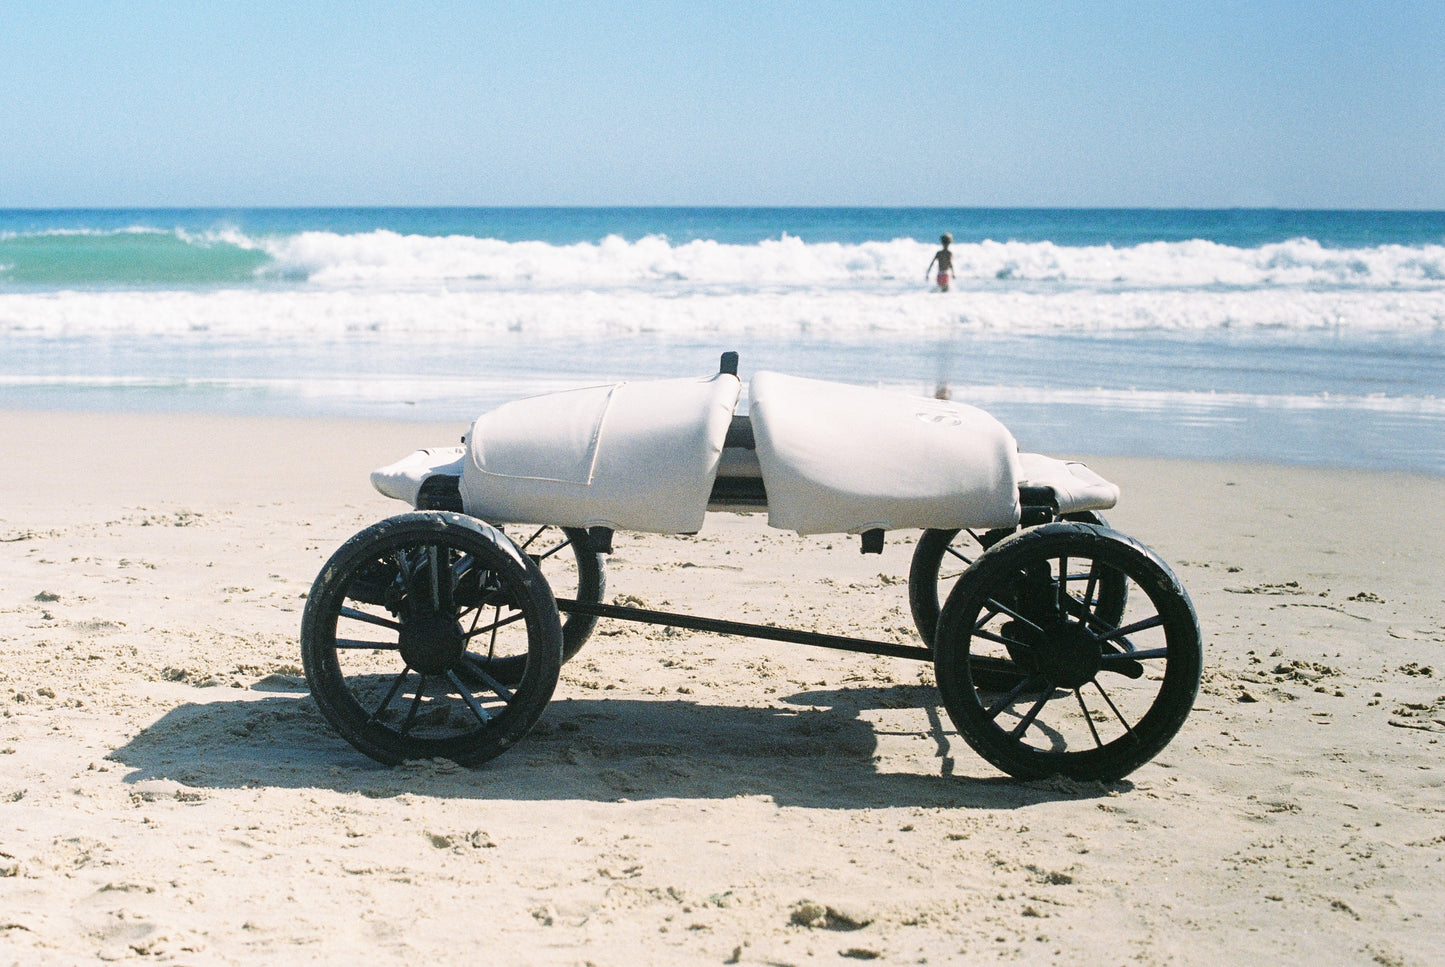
744, 629
1038, 506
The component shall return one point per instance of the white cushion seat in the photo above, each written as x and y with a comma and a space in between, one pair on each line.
628, 456
839, 458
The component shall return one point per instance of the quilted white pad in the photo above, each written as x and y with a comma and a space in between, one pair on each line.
630, 456
1075, 486
404, 478
846, 458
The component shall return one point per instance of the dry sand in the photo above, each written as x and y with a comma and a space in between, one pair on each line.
169, 792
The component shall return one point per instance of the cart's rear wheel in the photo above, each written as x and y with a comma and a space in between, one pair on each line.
573, 570
939, 560
1040, 681
942, 556
408, 628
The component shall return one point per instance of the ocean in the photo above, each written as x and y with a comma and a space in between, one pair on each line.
1307, 337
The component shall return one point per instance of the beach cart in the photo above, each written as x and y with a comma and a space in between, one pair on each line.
1060, 646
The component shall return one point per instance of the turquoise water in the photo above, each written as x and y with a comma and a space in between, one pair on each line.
1307, 337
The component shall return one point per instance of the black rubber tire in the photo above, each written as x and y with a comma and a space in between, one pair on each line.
581, 577
429, 636
929, 582
924, 580
1011, 649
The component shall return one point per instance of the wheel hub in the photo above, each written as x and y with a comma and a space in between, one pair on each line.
1068, 655
431, 643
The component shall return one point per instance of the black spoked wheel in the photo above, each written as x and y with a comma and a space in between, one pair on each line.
1040, 680
939, 561
573, 571
942, 556
430, 634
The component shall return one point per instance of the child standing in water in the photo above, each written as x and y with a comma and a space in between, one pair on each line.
944, 258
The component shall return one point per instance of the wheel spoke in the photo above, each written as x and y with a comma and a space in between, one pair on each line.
499, 623
395, 687
1084, 611
467, 697
1121, 634
374, 619
434, 554
542, 557
1113, 708
1000, 639
479, 668
372, 645
1027, 685
1121, 664
1126, 657
1062, 589
415, 704
492, 645
1004, 609
539, 558
1033, 713
1088, 718
1091, 587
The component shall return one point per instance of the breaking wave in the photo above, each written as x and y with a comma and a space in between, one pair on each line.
147, 257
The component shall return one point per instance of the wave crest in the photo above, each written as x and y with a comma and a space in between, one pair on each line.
389, 258
386, 259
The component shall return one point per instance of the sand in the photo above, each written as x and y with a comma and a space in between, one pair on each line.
169, 792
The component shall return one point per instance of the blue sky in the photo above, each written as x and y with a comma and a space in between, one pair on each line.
1269, 103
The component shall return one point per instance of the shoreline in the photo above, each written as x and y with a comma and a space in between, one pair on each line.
169, 791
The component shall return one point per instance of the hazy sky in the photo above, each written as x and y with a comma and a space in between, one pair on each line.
1285, 103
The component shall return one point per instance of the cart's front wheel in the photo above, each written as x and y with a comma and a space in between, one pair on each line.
431, 634
1040, 681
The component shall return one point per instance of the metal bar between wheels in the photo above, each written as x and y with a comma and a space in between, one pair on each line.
744, 629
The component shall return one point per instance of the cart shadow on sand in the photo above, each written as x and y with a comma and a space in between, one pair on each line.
816, 749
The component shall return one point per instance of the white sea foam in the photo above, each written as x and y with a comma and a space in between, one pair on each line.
389, 258
385, 257
9, 235
488, 385
439, 314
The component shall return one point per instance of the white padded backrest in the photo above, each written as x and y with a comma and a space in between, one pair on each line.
1075, 486
840, 458
403, 479
631, 456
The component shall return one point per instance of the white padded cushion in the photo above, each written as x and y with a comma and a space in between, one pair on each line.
1075, 486
631, 456
841, 458
404, 478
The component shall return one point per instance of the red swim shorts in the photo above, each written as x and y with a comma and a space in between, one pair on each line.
943, 280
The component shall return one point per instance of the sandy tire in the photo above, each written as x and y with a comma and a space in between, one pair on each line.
941, 557
406, 627
573, 570
1019, 654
